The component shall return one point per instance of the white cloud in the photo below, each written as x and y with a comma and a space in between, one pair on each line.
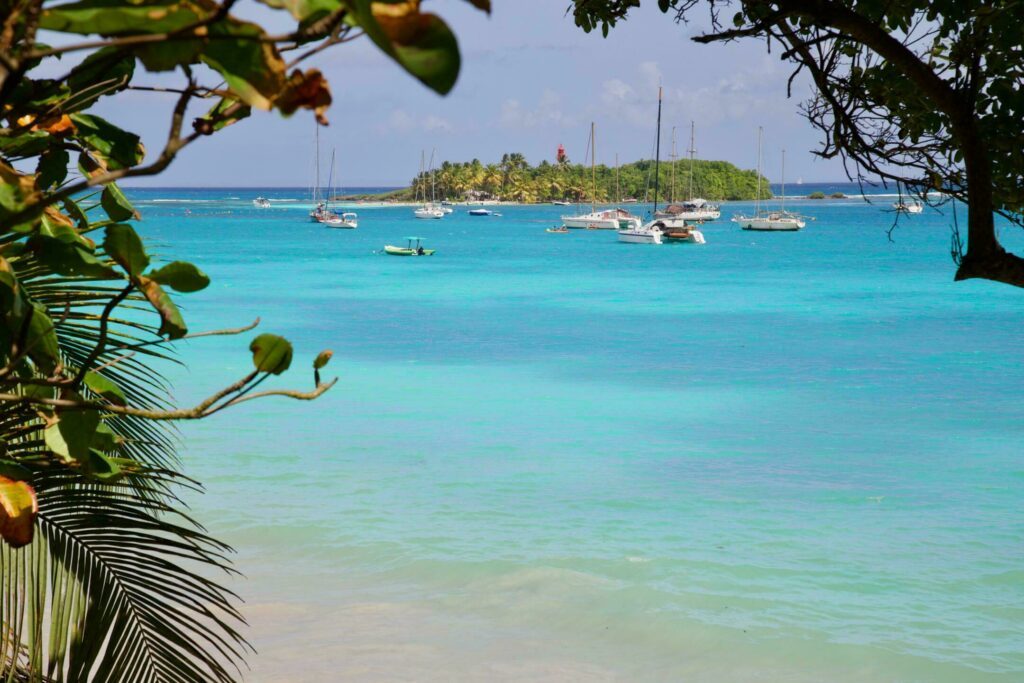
401, 121
437, 124
548, 112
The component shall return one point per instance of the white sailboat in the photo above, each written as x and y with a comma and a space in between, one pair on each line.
772, 221
912, 207
319, 211
651, 232
606, 219
330, 219
429, 210
693, 209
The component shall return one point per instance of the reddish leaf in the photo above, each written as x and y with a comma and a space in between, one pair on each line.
18, 510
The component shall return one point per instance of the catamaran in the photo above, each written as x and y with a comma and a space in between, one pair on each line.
606, 219
676, 215
777, 221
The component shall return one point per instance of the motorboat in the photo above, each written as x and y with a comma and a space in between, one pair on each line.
481, 212
771, 221
557, 229
261, 203
348, 221
414, 247
912, 207
561, 203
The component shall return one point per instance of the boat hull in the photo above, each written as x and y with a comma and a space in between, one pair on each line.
584, 223
640, 236
772, 226
405, 251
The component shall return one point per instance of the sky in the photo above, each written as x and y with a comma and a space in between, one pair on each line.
530, 80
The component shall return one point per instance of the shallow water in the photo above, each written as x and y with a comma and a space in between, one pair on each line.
556, 457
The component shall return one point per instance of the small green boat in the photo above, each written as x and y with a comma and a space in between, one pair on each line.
415, 248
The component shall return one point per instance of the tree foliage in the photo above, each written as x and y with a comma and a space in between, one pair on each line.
923, 93
102, 575
515, 179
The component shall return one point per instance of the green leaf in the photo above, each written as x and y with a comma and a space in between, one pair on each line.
115, 17
12, 469
271, 353
102, 468
122, 244
71, 436
116, 205
253, 69
222, 115
105, 388
322, 359
180, 276
41, 339
103, 72
114, 147
25, 144
105, 439
69, 258
171, 323
305, 9
52, 168
421, 43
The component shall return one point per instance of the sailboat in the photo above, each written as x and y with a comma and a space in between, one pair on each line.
651, 232
777, 221
694, 208
320, 211
429, 209
346, 221
607, 219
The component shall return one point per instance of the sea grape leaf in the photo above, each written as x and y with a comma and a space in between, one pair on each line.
271, 353
306, 90
25, 144
123, 245
69, 258
171, 322
105, 439
100, 467
304, 10
105, 387
226, 112
18, 510
70, 437
180, 276
113, 147
116, 204
421, 43
52, 168
41, 340
103, 72
116, 17
253, 69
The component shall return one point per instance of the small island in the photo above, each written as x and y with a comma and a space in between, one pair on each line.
513, 179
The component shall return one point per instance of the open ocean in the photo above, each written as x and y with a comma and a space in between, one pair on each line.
773, 457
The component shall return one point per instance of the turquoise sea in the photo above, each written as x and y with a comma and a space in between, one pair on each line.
784, 457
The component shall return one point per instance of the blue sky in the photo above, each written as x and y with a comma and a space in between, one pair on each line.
530, 80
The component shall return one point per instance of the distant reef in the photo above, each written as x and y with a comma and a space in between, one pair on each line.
514, 179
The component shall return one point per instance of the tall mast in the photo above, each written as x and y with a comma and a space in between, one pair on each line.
672, 192
421, 180
783, 180
330, 181
757, 197
593, 169
432, 187
618, 191
692, 151
316, 188
657, 153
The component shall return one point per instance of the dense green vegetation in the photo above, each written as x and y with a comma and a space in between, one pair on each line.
516, 180
103, 575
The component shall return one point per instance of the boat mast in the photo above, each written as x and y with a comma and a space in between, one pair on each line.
316, 157
672, 192
657, 153
593, 169
618, 192
692, 151
783, 181
432, 187
757, 197
330, 183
